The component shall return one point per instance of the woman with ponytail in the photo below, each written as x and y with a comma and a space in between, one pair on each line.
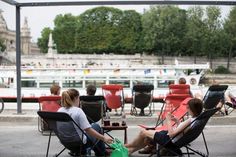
70, 103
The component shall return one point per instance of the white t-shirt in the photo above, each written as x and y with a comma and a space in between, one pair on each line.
180, 135
232, 93
79, 117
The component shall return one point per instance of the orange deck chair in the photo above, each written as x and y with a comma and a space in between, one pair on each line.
177, 94
114, 96
180, 112
179, 89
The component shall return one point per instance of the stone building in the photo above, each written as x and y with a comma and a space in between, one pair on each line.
9, 38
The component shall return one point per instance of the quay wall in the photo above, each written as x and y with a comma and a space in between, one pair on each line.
125, 60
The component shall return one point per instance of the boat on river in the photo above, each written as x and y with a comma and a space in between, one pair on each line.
41, 78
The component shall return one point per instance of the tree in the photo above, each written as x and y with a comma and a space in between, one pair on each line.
195, 31
164, 29
130, 31
43, 41
64, 33
107, 29
98, 30
213, 29
2, 45
230, 29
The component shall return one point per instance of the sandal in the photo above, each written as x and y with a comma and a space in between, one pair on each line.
148, 150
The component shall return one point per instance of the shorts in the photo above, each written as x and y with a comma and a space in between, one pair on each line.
162, 138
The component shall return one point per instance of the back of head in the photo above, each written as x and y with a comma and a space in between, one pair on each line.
55, 89
91, 89
196, 106
68, 97
182, 80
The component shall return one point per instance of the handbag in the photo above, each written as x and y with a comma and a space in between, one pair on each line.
119, 150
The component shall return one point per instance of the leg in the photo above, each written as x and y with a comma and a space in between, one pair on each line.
142, 112
140, 141
99, 147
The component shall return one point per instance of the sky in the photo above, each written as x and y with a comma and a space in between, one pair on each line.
41, 17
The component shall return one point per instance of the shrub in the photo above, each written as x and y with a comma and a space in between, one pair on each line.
221, 70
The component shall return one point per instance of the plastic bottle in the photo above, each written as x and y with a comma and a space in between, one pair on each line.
123, 118
107, 119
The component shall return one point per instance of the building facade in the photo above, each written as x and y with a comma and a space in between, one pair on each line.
9, 38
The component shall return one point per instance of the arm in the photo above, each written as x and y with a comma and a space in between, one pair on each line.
171, 131
95, 134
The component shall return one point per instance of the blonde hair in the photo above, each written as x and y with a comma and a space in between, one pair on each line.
55, 88
68, 97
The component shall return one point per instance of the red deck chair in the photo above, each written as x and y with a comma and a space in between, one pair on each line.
180, 112
179, 89
177, 93
172, 102
114, 96
47, 103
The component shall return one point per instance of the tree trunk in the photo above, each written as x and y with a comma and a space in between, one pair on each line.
229, 56
210, 59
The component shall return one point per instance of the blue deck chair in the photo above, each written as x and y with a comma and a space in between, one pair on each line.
214, 95
195, 128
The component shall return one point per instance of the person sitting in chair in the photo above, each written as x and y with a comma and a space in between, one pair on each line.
70, 103
55, 89
91, 90
230, 98
194, 107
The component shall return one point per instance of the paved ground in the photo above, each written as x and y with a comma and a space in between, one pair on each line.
20, 137
23, 140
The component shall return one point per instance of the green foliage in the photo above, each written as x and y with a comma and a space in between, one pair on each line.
163, 29
2, 45
221, 70
230, 29
109, 30
64, 33
195, 31
43, 41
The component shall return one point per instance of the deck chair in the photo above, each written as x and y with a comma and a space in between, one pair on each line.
114, 96
180, 112
230, 107
179, 89
172, 102
47, 103
58, 120
214, 95
93, 107
142, 98
2, 105
195, 128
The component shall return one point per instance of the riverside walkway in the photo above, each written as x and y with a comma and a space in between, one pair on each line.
20, 137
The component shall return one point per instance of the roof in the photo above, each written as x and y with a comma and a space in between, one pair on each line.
19, 3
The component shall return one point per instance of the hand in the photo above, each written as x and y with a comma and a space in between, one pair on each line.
173, 118
108, 140
168, 116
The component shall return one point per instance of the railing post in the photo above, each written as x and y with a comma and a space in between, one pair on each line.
18, 60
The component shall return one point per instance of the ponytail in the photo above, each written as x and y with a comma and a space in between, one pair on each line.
68, 97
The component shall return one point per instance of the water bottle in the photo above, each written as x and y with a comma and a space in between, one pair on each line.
123, 117
107, 119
